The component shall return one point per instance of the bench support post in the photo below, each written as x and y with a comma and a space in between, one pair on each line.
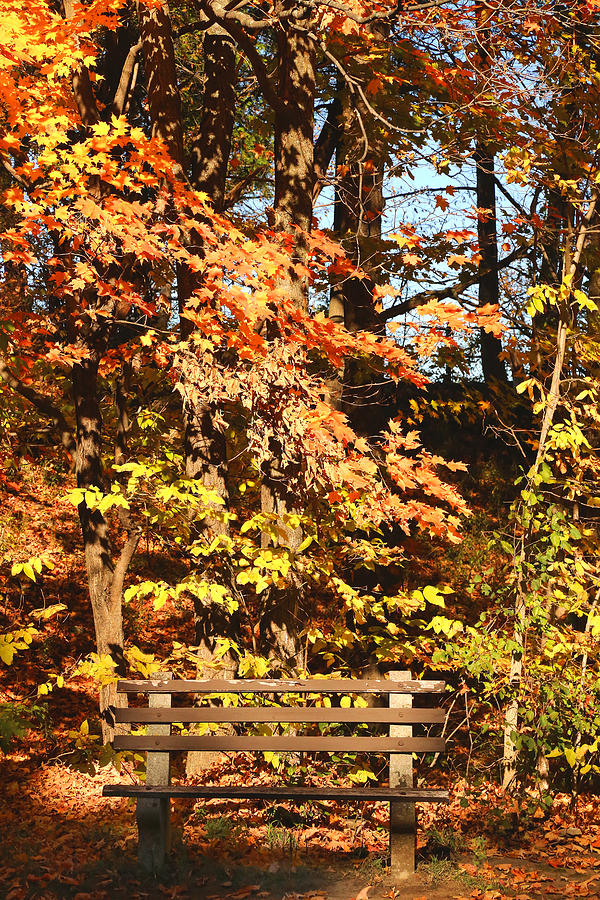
154, 815
403, 822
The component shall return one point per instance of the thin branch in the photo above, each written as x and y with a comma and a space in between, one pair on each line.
382, 15
123, 562
325, 145
552, 400
42, 403
356, 87
14, 174
449, 293
234, 193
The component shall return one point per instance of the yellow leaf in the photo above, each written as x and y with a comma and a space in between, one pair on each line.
6, 653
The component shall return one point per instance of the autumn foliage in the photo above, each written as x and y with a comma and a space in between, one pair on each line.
289, 292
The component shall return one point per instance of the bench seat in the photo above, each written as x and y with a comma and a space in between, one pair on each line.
277, 792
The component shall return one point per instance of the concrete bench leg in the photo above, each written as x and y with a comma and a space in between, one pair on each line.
403, 833
403, 820
154, 832
154, 815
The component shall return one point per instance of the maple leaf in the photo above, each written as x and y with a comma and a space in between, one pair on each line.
457, 259
411, 259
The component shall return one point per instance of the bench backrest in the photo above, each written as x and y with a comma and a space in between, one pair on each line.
394, 715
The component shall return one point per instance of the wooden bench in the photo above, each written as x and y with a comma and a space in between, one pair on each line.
153, 797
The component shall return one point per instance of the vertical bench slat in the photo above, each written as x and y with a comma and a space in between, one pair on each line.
154, 814
403, 823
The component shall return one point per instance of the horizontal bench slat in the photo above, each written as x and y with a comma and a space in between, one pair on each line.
269, 792
278, 744
270, 686
215, 715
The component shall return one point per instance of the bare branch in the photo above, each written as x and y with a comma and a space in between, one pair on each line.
381, 15
14, 174
42, 403
356, 87
235, 192
449, 293
247, 47
325, 145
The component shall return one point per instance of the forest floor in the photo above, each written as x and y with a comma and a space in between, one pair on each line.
60, 839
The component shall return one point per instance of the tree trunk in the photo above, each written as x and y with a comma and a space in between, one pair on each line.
164, 102
489, 289
105, 580
294, 156
205, 451
574, 246
358, 211
294, 185
205, 446
211, 146
493, 367
204, 443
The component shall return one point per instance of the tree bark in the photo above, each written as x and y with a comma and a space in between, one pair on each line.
105, 579
358, 210
205, 452
204, 443
294, 156
293, 202
211, 147
164, 102
493, 367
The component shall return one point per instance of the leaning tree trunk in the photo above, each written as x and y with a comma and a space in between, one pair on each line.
574, 247
105, 576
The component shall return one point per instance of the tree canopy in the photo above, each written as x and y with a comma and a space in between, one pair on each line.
299, 296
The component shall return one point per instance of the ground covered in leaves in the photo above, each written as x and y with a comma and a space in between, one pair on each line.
60, 839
